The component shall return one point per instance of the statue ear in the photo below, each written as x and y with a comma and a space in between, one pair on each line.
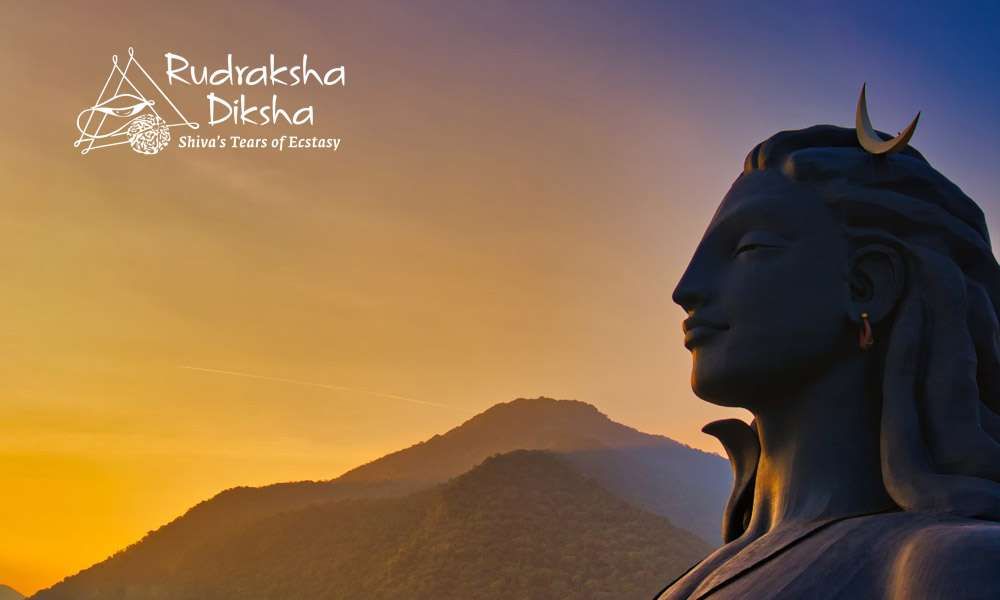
877, 277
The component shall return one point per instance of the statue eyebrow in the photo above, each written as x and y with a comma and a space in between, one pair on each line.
735, 215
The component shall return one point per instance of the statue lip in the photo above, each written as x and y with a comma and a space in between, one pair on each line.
694, 322
697, 329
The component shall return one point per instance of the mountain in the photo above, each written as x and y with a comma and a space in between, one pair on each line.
9, 593
523, 525
537, 423
654, 473
688, 488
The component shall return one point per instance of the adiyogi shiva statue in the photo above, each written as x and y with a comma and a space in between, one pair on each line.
846, 294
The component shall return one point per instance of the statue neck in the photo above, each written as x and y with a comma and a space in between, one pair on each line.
820, 450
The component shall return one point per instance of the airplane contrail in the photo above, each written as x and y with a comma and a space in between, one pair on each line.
339, 388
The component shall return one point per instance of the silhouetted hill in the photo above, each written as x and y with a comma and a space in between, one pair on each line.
524, 525
684, 485
538, 423
656, 473
689, 488
164, 550
9, 593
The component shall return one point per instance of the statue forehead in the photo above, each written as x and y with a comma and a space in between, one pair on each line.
769, 194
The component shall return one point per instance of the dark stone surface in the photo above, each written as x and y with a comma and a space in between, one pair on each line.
867, 473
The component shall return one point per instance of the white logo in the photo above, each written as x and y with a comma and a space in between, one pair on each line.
133, 114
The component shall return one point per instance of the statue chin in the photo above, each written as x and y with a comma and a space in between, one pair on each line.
712, 390
731, 386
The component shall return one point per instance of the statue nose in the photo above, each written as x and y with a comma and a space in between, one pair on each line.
687, 294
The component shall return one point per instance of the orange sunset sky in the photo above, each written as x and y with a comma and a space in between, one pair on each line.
517, 191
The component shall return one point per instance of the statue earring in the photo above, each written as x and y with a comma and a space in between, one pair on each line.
865, 339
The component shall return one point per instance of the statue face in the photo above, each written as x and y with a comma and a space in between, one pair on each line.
767, 294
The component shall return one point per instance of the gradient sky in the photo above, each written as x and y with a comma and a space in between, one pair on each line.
518, 191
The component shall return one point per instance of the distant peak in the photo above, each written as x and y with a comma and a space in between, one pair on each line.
548, 400
540, 423
544, 402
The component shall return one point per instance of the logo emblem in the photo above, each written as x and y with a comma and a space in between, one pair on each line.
127, 112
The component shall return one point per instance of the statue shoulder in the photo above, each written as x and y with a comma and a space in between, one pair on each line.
949, 558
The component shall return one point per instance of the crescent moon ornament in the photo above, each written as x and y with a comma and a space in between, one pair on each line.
870, 140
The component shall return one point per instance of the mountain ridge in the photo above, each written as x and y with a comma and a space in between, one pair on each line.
524, 524
651, 472
9, 593
592, 429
